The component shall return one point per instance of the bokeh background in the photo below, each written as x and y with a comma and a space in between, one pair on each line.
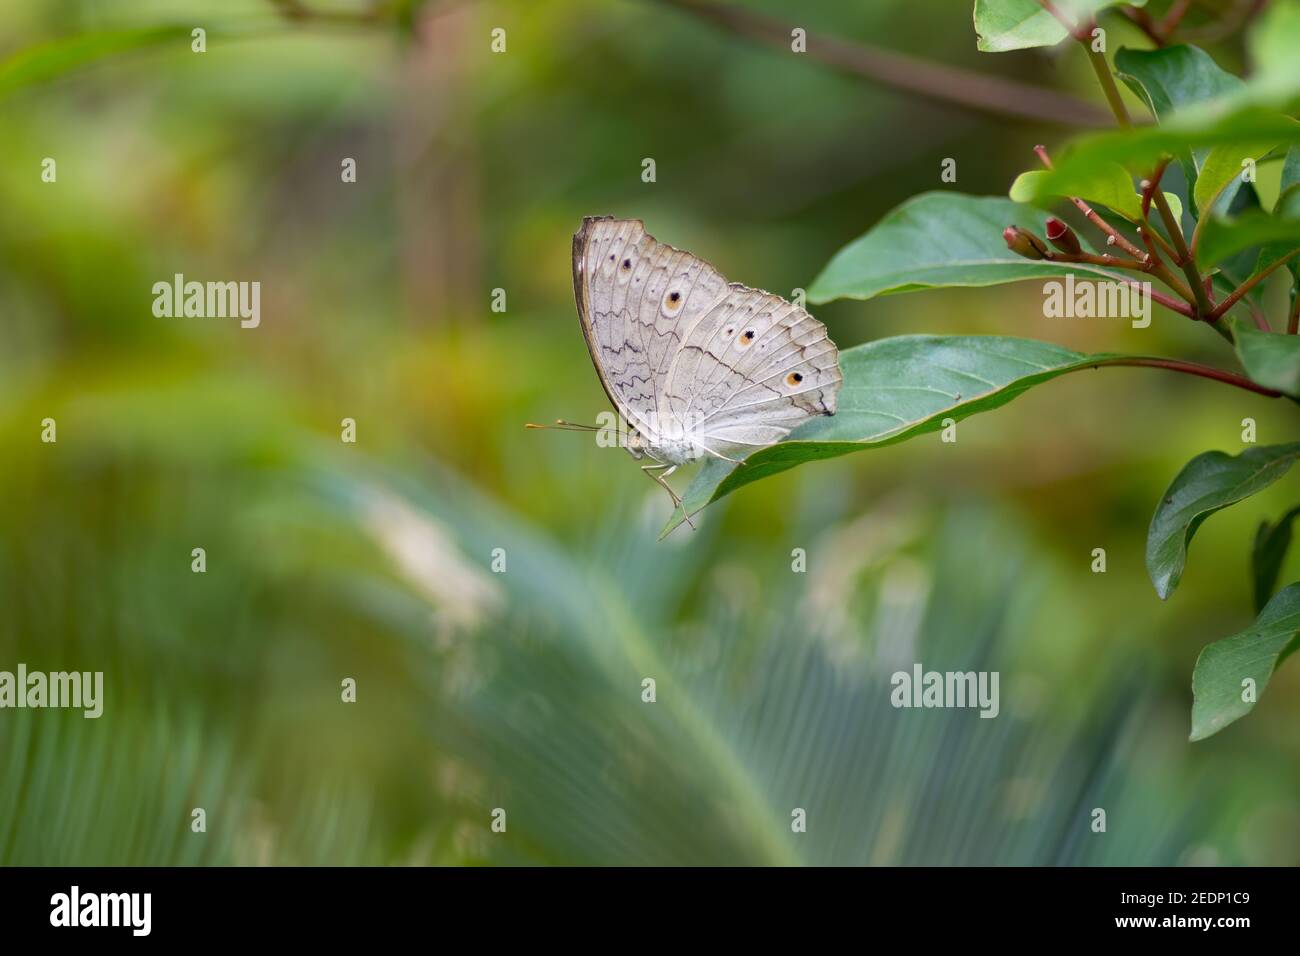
522, 690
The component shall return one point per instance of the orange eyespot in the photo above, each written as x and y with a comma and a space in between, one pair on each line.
746, 337
794, 378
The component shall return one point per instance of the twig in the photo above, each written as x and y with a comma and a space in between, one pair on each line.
1168, 301
1083, 33
1169, 24
937, 82
1184, 260
1249, 284
1150, 237
1144, 22
1149, 233
1114, 262
1113, 236
298, 10
1099, 66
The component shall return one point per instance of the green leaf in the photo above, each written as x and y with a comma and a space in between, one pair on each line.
1287, 209
895, 389
1225, 666
935, 240
1107, 185
54, 59
1140, 149
1272, 45
1221, 237
1002, 25
1271, 544
1269, 358
1174, 77
1274, 82
1223, 168
1208, 483
1237, 268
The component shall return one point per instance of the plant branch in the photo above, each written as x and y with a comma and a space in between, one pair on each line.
297, 10
1169, 24
1083, 33
1149, 234
1107, 81
1151, 237
1168, 301
933, 81
1184, 258
1111, 262
1249, 284
1192, 368
1142, 18
1113, 236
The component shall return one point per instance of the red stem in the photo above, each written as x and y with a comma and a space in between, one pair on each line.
1246, 286
1175, 15
1191, 368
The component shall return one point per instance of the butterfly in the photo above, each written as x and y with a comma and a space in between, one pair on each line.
696, 366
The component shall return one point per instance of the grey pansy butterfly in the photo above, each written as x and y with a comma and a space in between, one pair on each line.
696, 365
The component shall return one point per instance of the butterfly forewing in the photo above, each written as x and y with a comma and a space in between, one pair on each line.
684, 354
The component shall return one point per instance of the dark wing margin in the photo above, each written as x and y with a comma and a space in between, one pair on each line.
580, 298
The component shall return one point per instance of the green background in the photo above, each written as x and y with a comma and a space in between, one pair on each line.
522, 690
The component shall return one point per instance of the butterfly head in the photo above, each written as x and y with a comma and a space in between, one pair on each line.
636, 444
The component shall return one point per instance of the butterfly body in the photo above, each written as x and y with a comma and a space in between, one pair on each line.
666, 450
695, 365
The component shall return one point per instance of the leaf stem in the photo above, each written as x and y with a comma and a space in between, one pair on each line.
1083, 33
1192, 368
1100, 67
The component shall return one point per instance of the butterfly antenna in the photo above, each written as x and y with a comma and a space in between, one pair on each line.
563, 426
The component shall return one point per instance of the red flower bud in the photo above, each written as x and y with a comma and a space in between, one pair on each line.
1062, 236
1024, 243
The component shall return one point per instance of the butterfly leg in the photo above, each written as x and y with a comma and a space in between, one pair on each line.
718, 454
658, 466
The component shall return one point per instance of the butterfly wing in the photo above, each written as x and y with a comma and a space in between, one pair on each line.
750, 370
635, 295
682, 353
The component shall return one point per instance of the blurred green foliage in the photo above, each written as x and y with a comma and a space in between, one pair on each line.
372, 561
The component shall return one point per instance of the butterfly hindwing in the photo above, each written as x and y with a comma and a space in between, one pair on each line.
766, 368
